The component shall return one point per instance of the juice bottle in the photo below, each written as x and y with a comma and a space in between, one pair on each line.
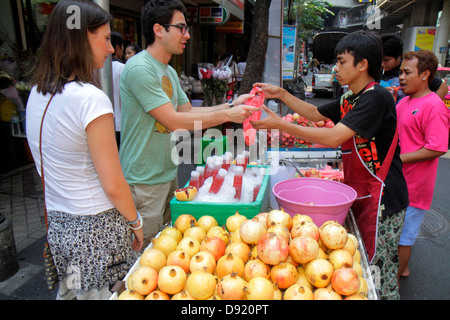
218, 181
201, 177
237, 182
195, 179
257, 188
246, 157
227, 160
240, 161
217, 165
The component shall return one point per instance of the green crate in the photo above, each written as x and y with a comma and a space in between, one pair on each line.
220, 210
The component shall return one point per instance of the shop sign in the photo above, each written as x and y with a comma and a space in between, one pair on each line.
191, 14
231, 27
213, 15
238, 3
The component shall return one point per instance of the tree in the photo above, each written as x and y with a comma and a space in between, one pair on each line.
256, 56
309, 15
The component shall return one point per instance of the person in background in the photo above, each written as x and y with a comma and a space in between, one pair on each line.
365, 127
337, 88
153, 106
423, 130
131, 50
392, 59
117, 67
91, 214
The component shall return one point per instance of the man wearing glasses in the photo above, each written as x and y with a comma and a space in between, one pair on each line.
154, 105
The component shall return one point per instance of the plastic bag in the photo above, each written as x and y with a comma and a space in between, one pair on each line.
256, 101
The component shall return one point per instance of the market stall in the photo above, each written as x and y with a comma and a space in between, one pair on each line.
253, 245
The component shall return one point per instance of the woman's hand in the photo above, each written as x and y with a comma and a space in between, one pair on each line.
138, 241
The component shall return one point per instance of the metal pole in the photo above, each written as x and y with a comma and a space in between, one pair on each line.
105, 74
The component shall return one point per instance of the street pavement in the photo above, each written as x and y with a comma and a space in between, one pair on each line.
21, 200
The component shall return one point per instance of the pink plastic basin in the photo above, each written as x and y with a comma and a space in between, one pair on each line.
320, 199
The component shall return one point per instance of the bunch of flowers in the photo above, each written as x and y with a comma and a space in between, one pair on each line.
214, 82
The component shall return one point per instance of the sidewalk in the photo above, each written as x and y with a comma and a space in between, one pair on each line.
21, 200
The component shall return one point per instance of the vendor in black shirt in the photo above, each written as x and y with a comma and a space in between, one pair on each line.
392, 60
366, 129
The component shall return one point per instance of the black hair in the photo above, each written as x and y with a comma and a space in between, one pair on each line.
135, 47
392, 45
116, 39
158, 11
363, 45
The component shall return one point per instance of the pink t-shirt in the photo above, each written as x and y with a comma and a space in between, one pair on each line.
422, 122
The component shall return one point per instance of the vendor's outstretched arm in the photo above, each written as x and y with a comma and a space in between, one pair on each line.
305, 109
333, 137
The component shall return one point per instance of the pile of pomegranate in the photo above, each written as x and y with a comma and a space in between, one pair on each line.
272, 256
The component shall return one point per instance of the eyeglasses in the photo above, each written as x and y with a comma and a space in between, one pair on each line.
183, 28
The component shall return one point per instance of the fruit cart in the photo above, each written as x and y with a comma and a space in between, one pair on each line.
350, 225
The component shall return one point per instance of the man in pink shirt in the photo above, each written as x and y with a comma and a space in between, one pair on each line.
423, 123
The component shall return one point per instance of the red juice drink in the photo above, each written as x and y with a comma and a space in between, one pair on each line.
195, 179
237, 182
240, 161
218, 181
246, 157
201, 177
257, 188
227, 157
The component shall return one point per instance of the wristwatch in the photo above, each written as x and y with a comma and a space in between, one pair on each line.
231, 103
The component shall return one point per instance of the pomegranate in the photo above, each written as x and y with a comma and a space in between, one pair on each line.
179, 258
357, 256
326, 294
298, 292
292, 261
219, 232
157, 295
234, 222
185, 194
363, 287
259, 288
284, 275
272, 248
213, 245
345, 281
303, 249
241, 249
228, 264
350, 246
354, 239
206, 222
356, 296
318, 272
262, 217
305, 228
251, 230
231, 287
189, 245
184, 222
201, 284
256, 268
279, 217
358, 268
301, 278
182, 295
165, 243
333, 235
197, 233
143, 280
340, 258
171, 279
297, 218
154, 258
173, 232
130, 295
277, 294
280, 230
235, 236
201, 260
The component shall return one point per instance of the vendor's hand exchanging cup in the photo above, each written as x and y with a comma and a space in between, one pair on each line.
239, 113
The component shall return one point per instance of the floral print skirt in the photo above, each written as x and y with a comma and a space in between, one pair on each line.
91, 252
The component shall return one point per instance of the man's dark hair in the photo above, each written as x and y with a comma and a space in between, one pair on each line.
158, 11
116, 39
392, 45
363, 45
